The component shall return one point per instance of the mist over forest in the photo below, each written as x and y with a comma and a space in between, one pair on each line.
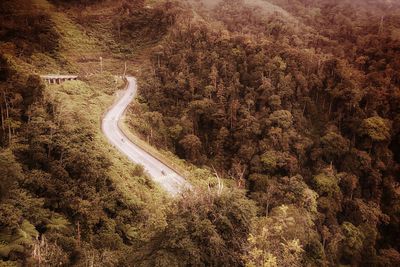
283, 116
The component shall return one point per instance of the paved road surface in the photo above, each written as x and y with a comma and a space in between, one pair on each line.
170, 180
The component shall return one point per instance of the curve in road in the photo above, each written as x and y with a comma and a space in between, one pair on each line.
171, 181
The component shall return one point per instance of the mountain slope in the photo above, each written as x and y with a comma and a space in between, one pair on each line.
66, 196
59, 178
303, 115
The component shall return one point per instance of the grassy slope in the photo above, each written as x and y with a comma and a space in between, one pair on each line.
81, 47
82, 51
84, 102
100, 28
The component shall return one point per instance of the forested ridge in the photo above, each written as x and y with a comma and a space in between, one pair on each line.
298, 101
294, 105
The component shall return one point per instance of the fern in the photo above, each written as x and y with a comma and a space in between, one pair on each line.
15, 241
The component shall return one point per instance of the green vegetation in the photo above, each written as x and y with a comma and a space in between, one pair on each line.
297, 105
284, 115
200, 228
65, 192
271, 243
376, 128
66, 196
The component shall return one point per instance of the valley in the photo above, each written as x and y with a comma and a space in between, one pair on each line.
246, 133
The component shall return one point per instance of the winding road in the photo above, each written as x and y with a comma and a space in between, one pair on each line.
171, 181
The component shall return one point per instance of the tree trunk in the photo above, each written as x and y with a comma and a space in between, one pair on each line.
124, 70
7, 117
6, 104
9, 134
78, 237
381, 25
330, 107
61, 156
2, 117
267, 209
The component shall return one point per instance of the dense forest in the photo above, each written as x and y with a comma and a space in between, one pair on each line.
295, 103
298, 101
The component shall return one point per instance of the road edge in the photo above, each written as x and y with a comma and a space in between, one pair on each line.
122, 125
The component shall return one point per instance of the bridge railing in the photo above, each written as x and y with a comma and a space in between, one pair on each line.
57, 79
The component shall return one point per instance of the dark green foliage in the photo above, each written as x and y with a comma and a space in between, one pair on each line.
334, 146
353, 241
10, 173
310, 92
299, 105
58, 202
27, 28
203, 229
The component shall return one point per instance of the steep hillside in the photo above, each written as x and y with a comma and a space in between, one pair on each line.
304, 115
66, 196
285, 114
